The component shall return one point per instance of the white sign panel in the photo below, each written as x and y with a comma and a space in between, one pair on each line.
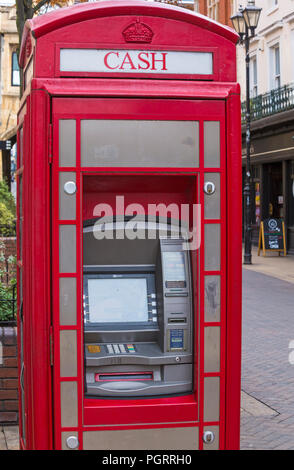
136, 61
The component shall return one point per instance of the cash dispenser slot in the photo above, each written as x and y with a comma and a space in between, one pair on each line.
138, 318
117, 376
177, 320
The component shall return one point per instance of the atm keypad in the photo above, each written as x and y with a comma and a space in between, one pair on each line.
109, 349
112, 348
120, 348
131, 348
116, 349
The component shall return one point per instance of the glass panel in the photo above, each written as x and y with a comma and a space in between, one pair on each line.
67, 202
212, 201
211, 144
67, 248
20, 215
132, 61
277, 60
15, 77
20, 162
211, 398
68, 300
212, 298
212, 349
69, 404
67, 142
68, 353
212, 247
139, 143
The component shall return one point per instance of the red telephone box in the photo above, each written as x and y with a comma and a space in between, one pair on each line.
129, 121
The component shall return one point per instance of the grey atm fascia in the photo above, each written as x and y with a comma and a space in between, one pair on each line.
163, 360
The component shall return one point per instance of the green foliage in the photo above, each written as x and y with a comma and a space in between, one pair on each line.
7, 211
7, 265
7, 298
7, 198
7, 290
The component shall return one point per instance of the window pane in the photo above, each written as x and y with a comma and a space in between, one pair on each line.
15, 79
139, 143
277, 60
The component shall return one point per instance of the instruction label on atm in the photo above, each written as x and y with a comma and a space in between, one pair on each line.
176, 339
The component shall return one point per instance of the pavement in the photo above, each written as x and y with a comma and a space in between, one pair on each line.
9, 438
268, 354
267, 400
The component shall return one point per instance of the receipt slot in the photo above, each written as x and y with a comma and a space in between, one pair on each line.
129, 230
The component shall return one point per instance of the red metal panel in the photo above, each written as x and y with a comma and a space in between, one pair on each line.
157, 411
234, 273
40, 300
230, 390
98, 412
103, 24
41, 25
136, 88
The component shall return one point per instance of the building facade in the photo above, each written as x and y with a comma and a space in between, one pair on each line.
272, 114
218, 10
272, 108
10, 81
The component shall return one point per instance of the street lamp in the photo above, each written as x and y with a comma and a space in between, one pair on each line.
245, 22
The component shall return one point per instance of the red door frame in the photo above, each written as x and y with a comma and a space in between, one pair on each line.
193, 110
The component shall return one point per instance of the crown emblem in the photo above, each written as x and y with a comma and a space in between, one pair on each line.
138, 32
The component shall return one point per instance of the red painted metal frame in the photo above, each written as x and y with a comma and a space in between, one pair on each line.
234, 273
230, 345
36, 274
125, 11
64, 108
40, 205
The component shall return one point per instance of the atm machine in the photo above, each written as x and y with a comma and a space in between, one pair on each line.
138, 320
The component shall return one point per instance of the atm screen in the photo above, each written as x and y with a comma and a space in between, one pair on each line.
117, 300
174, 269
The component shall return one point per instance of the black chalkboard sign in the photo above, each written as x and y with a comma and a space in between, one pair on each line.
272, 236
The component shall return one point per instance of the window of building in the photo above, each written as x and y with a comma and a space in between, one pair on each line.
15, 77
256, 195
272, 3
196, 5
292, 169
291, 194
212, 9
253, 77
275, 68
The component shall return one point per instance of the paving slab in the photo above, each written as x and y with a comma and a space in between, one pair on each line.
255, 407
267, 371
12, 438
280, 267
3, 445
